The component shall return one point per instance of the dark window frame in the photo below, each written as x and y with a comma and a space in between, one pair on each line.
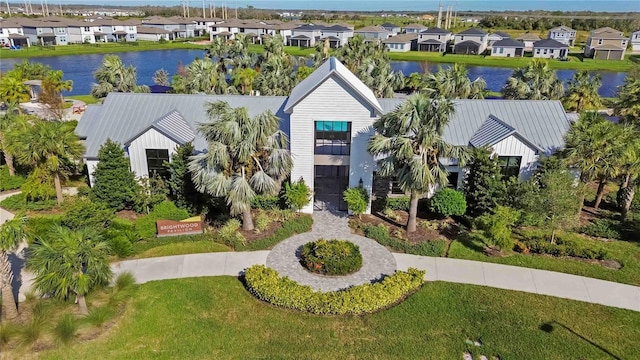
156, 160
330, 141
510, 166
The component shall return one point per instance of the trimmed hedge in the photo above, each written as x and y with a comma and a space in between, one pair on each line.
331, 257
267, 285
564, 247
265, 202
448, 202
380, 233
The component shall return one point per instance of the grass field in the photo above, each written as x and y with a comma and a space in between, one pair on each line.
216, 318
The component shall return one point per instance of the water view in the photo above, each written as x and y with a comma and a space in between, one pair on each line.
80, 69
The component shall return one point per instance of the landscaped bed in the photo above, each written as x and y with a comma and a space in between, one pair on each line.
331, 257
216, 317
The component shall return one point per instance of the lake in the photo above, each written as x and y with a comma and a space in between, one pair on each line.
80, 68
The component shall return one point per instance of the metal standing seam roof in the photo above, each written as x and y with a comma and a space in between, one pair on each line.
494, 130
330, 68
172, 125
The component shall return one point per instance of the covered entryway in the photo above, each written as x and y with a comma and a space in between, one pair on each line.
329, 184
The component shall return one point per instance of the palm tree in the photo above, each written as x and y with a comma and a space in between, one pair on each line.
627, 105
13, 91
113, 76
409, 140
245, 156
582, 93
11, 235
11, 125
70, 263
454, 83
161, 77
244, 79
413, 81
536, 81
50, 146
54, 78
629, 170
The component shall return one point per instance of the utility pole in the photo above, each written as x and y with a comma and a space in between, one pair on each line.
213, 14
440, 15
455, 17
60, 3
236, 10
8, 7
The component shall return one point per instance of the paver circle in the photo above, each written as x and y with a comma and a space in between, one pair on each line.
377, 262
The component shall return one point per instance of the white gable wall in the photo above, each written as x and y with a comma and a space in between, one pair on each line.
512, 146
152, 139
332, 100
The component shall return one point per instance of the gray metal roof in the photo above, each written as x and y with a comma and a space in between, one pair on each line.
492, 131
172, 125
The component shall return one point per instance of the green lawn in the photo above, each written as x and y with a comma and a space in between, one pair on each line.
39, 51
216, 318
180, 248
88, 99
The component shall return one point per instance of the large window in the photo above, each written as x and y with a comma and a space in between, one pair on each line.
452, 178
510, 166
333, 138
156, 159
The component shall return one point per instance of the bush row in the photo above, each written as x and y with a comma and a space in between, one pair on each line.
10, 182
563, 247
445, 202
267, 285
380, 233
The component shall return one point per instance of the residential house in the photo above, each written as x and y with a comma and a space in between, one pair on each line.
414, 28
496, 36
46, 31
84, 32
147, 33
507, 48
203, 25
550, 49
373, 33
606, 44
635, 42
285, 30
328, 118
434, 39
470, 41
563, 34
402, 42
393, 29
175, 28
528, 39
307, 35
12, 35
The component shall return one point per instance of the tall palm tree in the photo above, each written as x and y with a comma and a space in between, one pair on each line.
243, 79
536, 81
582, 93
161, 77
629, 170
113, 76
11, 125
454, 83
54, 78
50, 146
409, 140
70, 263
627, 104
244, 156
13, 91
11, 235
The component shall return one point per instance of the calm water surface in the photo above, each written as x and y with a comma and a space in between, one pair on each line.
80, 68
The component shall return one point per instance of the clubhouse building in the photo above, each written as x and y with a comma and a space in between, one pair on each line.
328, 117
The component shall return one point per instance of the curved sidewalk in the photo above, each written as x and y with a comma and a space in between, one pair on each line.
438, 269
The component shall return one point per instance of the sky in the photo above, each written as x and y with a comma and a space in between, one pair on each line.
381, 5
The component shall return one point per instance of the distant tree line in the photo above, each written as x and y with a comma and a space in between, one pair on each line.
543, 24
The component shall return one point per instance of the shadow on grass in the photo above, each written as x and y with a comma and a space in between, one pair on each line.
548, 328
471, 242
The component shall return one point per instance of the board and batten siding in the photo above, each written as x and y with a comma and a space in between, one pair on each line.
151, 139
512, 146
332, 101
91, 167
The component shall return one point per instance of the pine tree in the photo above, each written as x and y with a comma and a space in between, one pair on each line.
182, 189
483, 187
115, 183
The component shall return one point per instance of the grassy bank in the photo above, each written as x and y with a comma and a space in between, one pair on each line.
217, 318
108, 48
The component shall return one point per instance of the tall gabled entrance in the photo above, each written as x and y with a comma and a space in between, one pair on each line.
329, 184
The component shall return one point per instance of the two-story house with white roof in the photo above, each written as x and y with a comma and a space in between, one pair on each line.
434, 39
470, 41
563, 34
12, 35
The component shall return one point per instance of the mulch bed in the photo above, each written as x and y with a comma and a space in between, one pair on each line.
128, 215
447, 228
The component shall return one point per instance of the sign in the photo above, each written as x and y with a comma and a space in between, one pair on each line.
173, 228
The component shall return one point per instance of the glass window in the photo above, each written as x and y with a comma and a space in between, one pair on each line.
453, 180
332, 137
510, 166
501, 50
156, 159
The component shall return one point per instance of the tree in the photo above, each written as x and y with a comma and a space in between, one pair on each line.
50, 146
113, 76
245, 156
13, 91
410, 143
483, 188
297, 194
11, 235
629, 169
114, 182
244, 79
54, 104
161, 77
582, 93
11, 125
454, 83
536, 81
70, 263
557, 201
627, 104
182, 190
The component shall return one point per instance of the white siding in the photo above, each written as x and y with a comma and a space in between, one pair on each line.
151, 139
331, 101
506, 52
512, 146
91, 167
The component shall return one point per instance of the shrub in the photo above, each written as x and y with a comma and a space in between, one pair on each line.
98, 316
40, 226
297, 195
38, 185
265, 202
115, 183
267, 285
497, 226
19, 202
83, 212
604, 228
166, 210
331, 257
85, 191
295, 225
263, 220
66, 328
357, 200
8, 182
398, 203
380, 233
120, 246
448, 202
391, 214
230, 235
564, 246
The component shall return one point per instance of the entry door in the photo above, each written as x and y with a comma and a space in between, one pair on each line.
330, 183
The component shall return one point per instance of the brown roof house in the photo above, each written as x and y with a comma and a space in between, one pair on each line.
606, 44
